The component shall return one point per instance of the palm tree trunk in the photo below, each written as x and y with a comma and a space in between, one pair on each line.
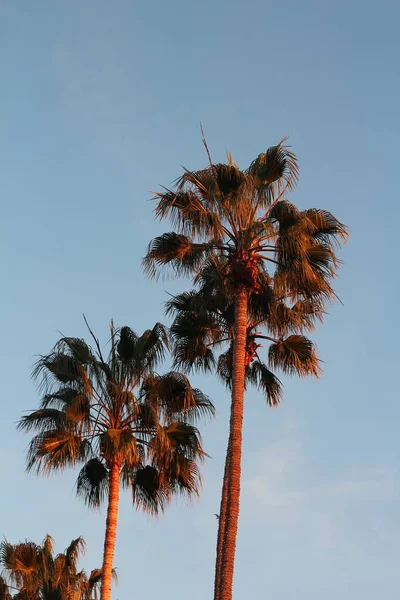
111, 532
221, 527
235, 445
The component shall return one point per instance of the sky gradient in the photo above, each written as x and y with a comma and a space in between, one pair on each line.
100, 103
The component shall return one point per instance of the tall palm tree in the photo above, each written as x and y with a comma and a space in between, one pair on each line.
202, 331
238, 226
126, 424
33, 572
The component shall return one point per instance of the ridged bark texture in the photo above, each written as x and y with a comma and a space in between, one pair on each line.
234, 446
221, 528
111, 532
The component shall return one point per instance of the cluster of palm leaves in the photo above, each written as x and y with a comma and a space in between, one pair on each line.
31, 571
261, 273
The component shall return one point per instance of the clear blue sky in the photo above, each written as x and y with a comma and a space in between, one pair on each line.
101, 102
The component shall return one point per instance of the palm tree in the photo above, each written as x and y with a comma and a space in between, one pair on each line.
236, 226
34, 573
203, 326
126, 424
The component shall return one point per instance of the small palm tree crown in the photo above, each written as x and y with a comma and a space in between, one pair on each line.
118, 413
32, 572
235, 230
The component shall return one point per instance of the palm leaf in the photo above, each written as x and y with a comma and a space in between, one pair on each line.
148, 493
55, 450
92, 483
176, 250
259, 374
295, 355
73, 552
187, 212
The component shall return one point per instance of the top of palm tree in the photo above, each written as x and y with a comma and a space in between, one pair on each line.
118, 411
243, 219
235, 229
32, 572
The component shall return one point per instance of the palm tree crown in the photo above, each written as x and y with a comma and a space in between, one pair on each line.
235, 230
33, 572
100, 412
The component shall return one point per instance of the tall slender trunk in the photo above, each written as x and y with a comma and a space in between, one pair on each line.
111, 532
221, 526
235, 445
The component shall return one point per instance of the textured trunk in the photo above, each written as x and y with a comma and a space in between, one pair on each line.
111, 531
221, 527
234, 446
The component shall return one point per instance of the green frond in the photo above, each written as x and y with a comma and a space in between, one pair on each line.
92, 483
295, 355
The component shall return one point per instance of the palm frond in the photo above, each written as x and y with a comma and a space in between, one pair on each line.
275, 169
295, 355
57, 368
324, 227
224, 366
259, 374
119, 443
80, 351
176, 250
92, 483
187, 212
173, 397
148, 493
151, 347
126, 347
74, 551
55, 450
44, 419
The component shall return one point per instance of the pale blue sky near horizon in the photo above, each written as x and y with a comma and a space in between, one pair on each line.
100, 103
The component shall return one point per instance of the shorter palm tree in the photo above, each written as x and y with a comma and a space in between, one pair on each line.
127, 425
33, 572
